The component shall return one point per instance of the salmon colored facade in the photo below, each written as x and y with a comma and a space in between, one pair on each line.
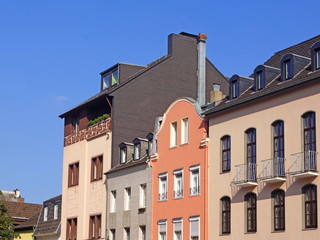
179, 173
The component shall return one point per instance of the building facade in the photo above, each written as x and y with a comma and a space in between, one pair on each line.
263, 150
179, 173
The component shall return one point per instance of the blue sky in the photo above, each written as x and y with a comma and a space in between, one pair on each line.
51, 54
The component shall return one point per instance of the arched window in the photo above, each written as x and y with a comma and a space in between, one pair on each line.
251, 209
278, 209
278, 148
251, 154
225, 215
225, 153
309, 141
310, 206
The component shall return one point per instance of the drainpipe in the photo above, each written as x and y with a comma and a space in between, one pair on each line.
201, 68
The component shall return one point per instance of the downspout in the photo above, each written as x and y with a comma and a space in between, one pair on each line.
201, 68
206, 210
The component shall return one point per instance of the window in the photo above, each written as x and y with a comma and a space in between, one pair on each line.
287, 69
178, 184
137, 151
123, 154
226, 153
259, 80
72, 229
251, 201
95, 227
112, 234
143, 196
234, 89
185, 131
75, 124
225, 215
110, 79
195, 180
173, 134
310, 206
251, 154
45, 214
278, 210
126, 234
113, 198
177, 229
317, 58
309, 141
55, 212
96, 168
73, 174
142, 233
162, 229
278, 139
194, 228
163, 187
127, 198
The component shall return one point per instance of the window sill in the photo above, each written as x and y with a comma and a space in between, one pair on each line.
224, 234
70, 186
142, 208
226, 171
183, 144
96, 180
194, 195
278, 231
310, 229
253, 232
163, 200
173, 147
177, 198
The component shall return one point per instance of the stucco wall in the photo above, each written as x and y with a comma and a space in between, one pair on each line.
288, 107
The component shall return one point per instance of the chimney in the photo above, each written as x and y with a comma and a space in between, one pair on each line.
201, 68
216, 94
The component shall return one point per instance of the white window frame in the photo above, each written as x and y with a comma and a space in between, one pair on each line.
126, 230
112, 234
178, 193
137, 151
178, 220
184, 130
143, 195
194, 190
160, 223
194, 219
163, 193
113, 199
55, 211
123, 155
45, 214
142, 234
173, 134
127, 198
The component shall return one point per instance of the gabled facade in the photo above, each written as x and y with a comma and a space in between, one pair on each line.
263, 152
131, 97
179, 173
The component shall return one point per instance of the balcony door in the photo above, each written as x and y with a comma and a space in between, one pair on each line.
251, 154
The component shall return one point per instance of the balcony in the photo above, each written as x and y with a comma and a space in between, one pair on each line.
246, 175
304, 164
273, 170
163, 196
178, 193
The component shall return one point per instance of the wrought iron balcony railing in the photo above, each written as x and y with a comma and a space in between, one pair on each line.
163, 196
178, 193
245, 173
273, 168
303, 162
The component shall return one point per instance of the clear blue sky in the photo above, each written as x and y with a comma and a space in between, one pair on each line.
51, 54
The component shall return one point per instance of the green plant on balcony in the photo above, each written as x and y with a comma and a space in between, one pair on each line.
98, 119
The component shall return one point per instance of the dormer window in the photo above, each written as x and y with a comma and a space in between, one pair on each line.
151, 146
234, 89
259, 80
123, 154
137, 151
287, 69
109, 79
315, 56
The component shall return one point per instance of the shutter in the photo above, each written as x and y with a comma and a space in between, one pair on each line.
194, 226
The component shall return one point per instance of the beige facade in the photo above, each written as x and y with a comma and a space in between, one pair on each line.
288, 107
88, 197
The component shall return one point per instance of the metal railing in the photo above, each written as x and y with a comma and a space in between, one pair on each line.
163, 196
195, 190
245, 173
303, 162
178, 193
272, 168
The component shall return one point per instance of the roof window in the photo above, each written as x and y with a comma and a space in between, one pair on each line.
315, 56
109, 79
292, 64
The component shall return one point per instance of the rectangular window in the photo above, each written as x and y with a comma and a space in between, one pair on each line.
173, 134
318, 58
226, 153
259, 80
110, 79
126, 234
143, 196
96, 168
45, 214
287, 69
251, 201
195, 180
162, 229
194, 228
127, 198
55, 212
163, 192
72, 229
178, 184
73, 177
225, 215
309, 142
112, 234
113, 198
123, 155
137, 151
95, 227
278, 210
310, 206
251, 174
185, 131
177, 229
142, 233
75, 124
234, 89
